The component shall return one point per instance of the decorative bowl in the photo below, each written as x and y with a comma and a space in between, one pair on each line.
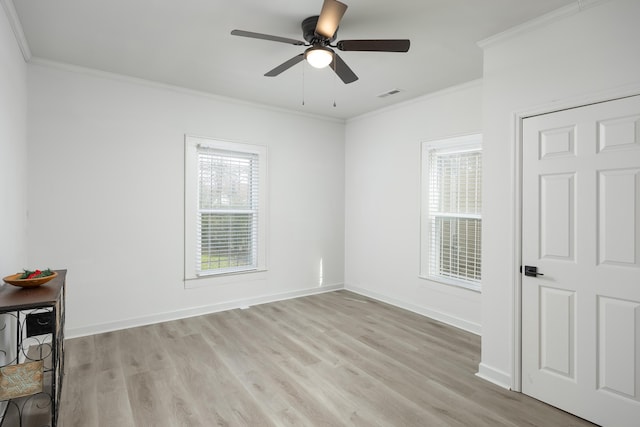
15, 280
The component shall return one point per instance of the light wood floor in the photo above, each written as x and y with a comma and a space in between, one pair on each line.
330, 359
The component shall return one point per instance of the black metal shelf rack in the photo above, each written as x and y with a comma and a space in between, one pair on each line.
36, 316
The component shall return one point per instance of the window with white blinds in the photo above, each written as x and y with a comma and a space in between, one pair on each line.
226, 210
452, 203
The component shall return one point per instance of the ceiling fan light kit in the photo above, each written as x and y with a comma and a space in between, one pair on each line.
319, 32
319, 56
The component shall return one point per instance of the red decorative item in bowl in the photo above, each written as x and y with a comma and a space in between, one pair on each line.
15, 280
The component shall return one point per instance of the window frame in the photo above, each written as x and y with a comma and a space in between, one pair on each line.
457, 144
191, 210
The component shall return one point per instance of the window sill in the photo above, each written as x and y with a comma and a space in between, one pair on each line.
451, 282
225, 278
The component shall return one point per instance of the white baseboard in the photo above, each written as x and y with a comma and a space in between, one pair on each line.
472, 327
196, 311
496, 376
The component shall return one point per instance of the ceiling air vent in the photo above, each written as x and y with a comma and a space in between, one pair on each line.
389, 93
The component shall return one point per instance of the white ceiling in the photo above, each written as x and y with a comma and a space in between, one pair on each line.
188, 43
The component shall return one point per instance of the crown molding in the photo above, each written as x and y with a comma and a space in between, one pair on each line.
422, 98
16, 26
541, 21
47, 63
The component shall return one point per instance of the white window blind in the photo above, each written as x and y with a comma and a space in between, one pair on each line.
225, 209
453, 217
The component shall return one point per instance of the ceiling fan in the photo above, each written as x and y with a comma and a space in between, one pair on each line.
319, 32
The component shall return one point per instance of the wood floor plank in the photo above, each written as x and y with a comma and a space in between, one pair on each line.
260, 385
209, 380
387, 345
80, 351
141, 350
294, 358
289, 385
145, 399
114, 408
334, 359
107, 351
405, 382
79, 400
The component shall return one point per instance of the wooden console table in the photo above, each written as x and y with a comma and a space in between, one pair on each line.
36, 317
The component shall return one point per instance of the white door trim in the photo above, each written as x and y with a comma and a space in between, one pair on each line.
516, 125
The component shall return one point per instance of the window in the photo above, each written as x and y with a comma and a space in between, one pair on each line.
451, 211
225, 193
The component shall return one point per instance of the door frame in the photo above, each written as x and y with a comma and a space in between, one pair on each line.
517, 118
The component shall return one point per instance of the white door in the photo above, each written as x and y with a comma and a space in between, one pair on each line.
581, 229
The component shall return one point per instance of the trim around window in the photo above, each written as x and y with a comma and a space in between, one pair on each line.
450, 220
225, 209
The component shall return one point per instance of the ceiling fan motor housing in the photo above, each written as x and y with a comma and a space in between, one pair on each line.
309, 32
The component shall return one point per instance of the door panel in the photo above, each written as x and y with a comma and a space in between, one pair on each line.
557, 221
618, 339
581, 229
618, 217
557, 143
619, 133
557, 331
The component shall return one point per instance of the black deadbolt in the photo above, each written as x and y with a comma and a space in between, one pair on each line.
531, 271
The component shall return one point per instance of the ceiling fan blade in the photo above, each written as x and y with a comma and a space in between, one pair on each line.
330, 17
285, 65
261, 36
342, 70
374, 45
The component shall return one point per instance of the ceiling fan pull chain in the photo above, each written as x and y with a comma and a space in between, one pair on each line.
303, 67
335, 80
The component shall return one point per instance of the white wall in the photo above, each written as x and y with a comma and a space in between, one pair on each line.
589, 55
13, 170
383, 202
106, 196
13, 152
